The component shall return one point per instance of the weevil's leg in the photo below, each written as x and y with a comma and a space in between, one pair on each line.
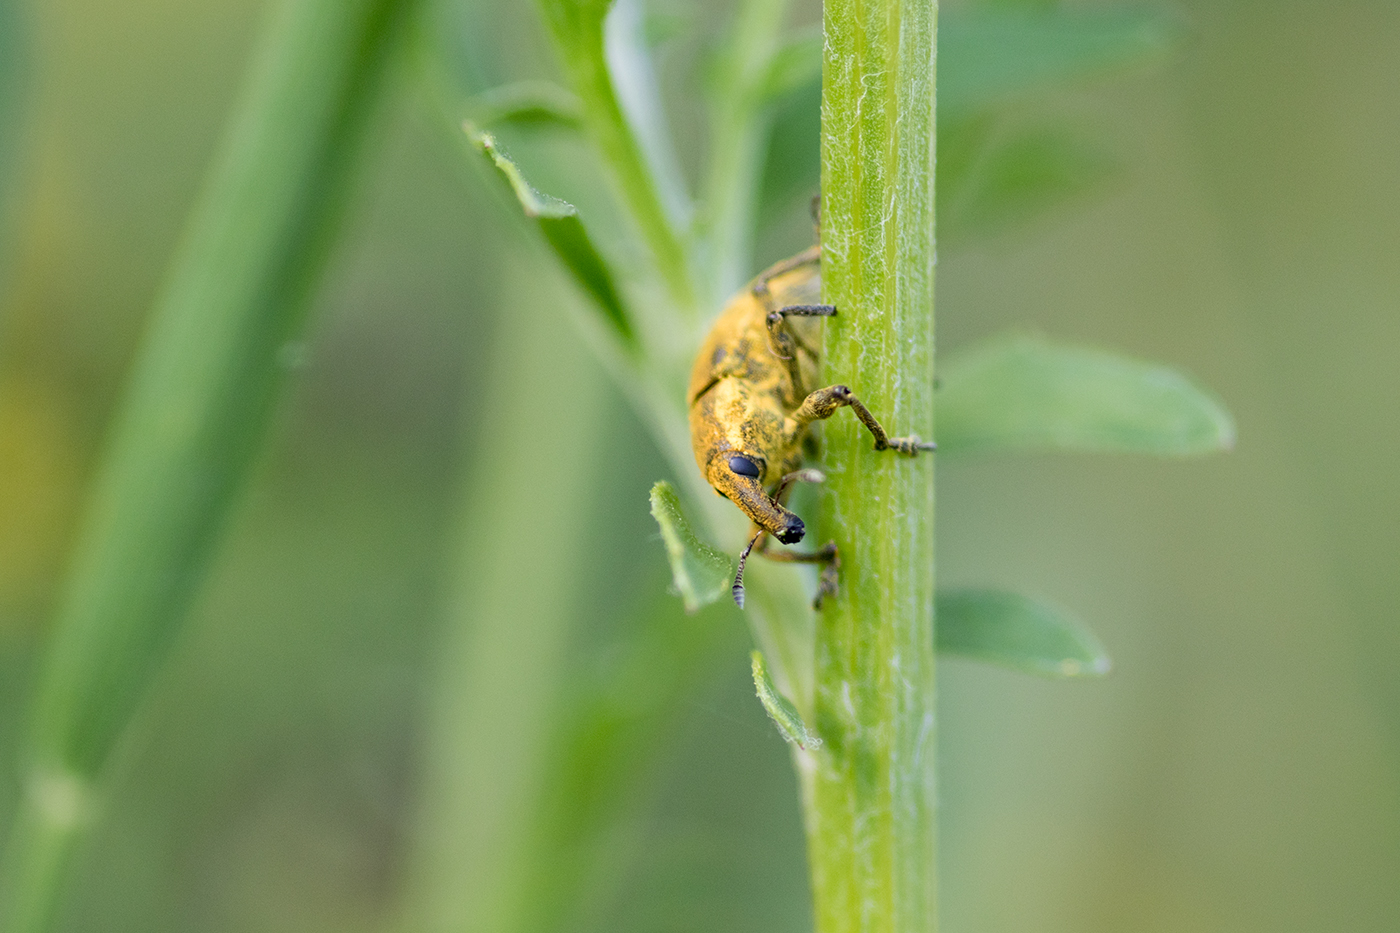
823, 403
777, 319
830, 576
826, 555
804, 311
778, 339
785, 344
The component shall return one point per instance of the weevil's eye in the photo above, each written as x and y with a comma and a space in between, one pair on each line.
743, 466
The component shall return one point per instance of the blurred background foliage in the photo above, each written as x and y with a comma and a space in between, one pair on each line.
453, 485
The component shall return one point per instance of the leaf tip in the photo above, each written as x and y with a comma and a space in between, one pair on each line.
779, 709
699, 571
1098, 666
1013, 631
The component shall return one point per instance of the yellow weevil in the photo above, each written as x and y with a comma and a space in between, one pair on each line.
751, 405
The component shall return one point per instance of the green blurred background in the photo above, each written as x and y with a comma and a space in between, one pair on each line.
1239, 770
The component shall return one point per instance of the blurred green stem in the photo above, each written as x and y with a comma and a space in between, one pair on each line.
869, 788
509, 620
198, 401
578, 28
738, 131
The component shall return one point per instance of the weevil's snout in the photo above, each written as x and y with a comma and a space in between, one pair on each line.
791, 532
741, 482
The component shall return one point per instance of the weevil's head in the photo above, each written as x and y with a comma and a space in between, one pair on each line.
738, 477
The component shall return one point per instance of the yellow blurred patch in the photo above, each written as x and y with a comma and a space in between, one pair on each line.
39, 469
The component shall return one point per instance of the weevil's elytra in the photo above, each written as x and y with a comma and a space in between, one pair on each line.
751, 403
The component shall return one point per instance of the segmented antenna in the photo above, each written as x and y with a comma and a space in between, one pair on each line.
738, 588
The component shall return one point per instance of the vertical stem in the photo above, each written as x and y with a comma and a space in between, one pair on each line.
869, 788
200, 394
510, 615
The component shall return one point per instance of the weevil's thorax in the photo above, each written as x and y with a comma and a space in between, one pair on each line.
742, 392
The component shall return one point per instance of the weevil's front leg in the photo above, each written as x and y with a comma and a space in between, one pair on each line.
823, 403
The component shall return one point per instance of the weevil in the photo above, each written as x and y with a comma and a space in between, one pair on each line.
751, 404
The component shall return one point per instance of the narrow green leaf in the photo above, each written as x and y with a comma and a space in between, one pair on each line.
993, 55
702, 573
1017, 632
1023, 393
202, 390
527, 103
784, 715
564, 231
1015, 180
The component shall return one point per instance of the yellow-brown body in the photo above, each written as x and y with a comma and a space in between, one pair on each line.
751, 401
744, 394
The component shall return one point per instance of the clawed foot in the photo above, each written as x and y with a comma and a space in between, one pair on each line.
910, 445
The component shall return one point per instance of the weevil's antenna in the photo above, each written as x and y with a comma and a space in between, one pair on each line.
738, 588
800, 476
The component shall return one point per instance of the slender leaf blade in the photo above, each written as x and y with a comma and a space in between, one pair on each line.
701, 572
784, 715
202, 390
1024, 393
564, 231
1014, 631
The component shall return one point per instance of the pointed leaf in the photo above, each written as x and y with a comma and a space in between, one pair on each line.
527, 103
993, 55
784, 715
1013, 631
559, 222
701, 572
1022, 393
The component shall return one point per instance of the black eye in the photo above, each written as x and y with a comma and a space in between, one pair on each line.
743, 466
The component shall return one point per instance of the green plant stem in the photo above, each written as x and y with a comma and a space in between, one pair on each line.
509, 618
578, 27
738, 133
199, 398
869, 789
